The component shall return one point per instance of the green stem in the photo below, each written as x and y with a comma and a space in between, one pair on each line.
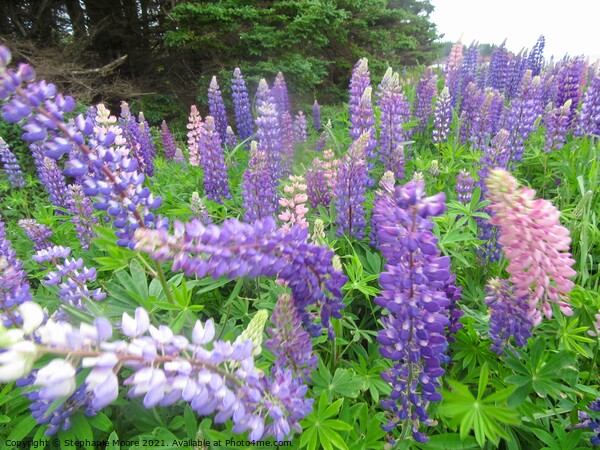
163, 282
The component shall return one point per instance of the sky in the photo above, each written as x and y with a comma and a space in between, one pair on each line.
569, 26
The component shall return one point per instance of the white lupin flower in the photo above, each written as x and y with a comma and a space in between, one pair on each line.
17, 361
32, 315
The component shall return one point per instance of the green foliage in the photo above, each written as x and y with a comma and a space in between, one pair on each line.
313, 42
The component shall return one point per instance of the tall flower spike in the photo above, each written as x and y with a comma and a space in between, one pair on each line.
194, 127
289, 343
350, 188
294, 203
38, 233
589, 116
241, 105
238, 249
426, 90
464, 186
535, 243
51, 177
168, 142
395, 111
452, 72
414, 294
212, 157
83, 218
316, 114
442, 117
557, 126
147, 150
216, 108
509, 316
11, 166
317, 190
198, 209
280, 94
14, 287
300, 133
269, 135
361, 109
259, 194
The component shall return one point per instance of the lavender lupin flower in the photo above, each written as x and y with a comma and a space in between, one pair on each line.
257, 249
280, 94
241, 105
535, 60
569, 84
317, 188
470, 115
426, 90
464, 186
269, 135
359, 82
83, 219
263, 95
452, 72
212, 158
395, 111
509, 318
230, 137
454, 294
38, 233
11, 166
198, 209
70, 275
216, 108
589, 116
51, 177
442, 117
316, 113
413, 293
289, 343
350, 189
14, 287
557, 126
260, 196
300, 132
212, 376
168, 142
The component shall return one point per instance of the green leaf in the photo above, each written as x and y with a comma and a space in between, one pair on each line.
114, 437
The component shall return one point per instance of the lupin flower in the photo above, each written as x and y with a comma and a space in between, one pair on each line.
38, 233
442, 117
260, 196
241, 105
524, 110
557, 126
452, 72
14, 287
212, 158
361, 109
195, 131
535, 60
269, 135
318, 235
216, 108
426, 90
454, 294
464, 186
317, 190
51, 177
198, 209
212, 376
168, 142
258, 249
289, 343
230, 137
137, 136
589, 117
535, 243
83, 218
264, 95
11, 166
596, 330
316, 113
509, 316
254, 331
434, 167
70, 275
470, 115
350, 188
413, 293
395, 111
295, 204
300, 133
586, 421
569, 86
280, 94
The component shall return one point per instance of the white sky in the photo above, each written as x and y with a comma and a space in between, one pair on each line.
570, 26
